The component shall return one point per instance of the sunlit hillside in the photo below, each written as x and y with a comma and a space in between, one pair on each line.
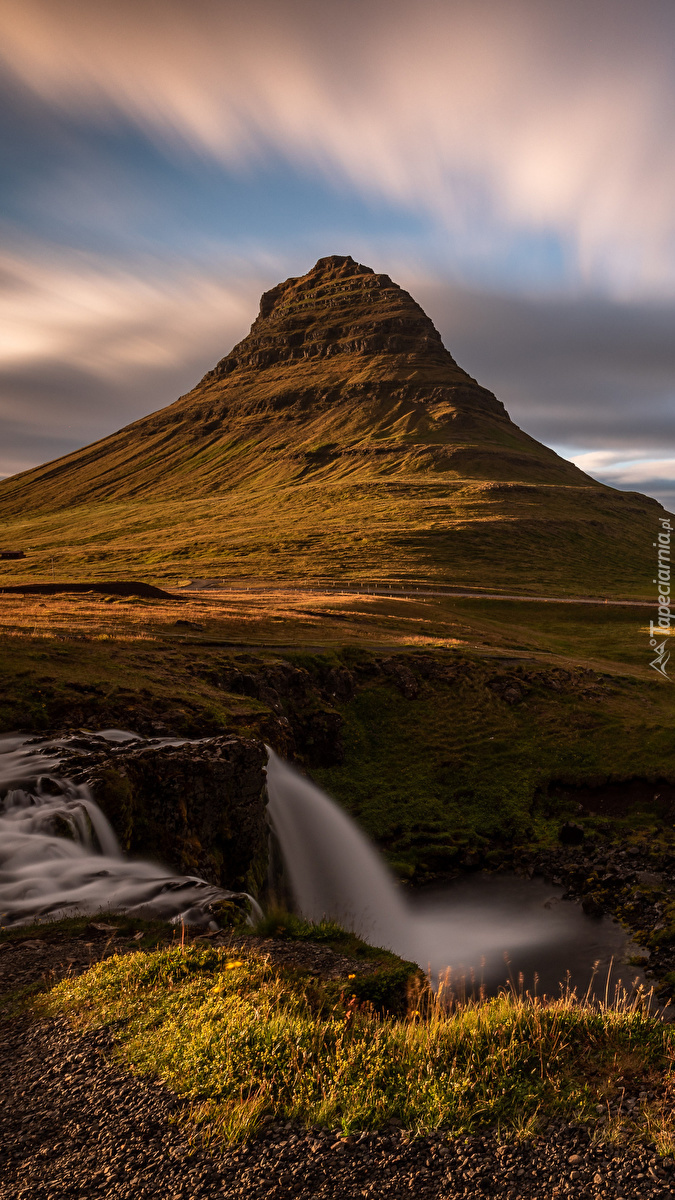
339, 440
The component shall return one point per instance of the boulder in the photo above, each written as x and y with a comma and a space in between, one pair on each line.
571, 834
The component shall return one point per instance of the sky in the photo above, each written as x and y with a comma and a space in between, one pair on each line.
510, 162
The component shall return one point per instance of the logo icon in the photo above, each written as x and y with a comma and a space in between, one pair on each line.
662, 656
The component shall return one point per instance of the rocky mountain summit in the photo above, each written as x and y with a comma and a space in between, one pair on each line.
341, 439
339, 307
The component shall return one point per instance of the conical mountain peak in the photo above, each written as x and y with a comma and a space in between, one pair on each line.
340, 437
339, 307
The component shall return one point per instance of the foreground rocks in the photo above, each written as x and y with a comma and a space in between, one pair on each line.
73, 1124
634, 883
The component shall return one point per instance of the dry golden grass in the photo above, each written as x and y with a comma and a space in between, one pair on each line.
267, 616
597, 636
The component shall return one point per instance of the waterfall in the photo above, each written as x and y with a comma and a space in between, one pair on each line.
59, 855
470, 926
333, 869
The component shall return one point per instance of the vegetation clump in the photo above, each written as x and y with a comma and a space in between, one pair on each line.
247, 1042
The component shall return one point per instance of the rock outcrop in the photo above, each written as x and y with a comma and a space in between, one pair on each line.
339, 307
197, 807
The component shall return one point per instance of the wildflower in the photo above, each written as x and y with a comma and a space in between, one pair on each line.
229, 966
351, 977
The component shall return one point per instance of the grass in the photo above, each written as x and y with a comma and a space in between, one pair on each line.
456, 769
561, 541
432, 777
246, 1043
278, 923
568, 634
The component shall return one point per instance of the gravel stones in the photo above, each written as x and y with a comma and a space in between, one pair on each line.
309, 957
73, 1123
32, 960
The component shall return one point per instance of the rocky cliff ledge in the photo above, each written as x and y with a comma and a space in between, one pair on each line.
339, 307
198, 807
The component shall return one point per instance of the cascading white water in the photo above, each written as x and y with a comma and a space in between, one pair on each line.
336, 872
59, 855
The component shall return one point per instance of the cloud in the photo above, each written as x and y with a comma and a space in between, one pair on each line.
90, 344
654, 476
579, 374
609, 462
111, 319
593, 378
498, 120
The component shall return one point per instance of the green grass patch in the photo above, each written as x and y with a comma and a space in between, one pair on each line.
247, 1042
456, 771
280, 924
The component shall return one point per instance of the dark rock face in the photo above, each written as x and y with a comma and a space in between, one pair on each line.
303, 721
114, 587
619, 797
198, 807
571, 834
339, 307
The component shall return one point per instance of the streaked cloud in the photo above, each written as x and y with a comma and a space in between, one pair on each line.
89, 344
510, 162
108, 318
592, 377
496, 119
652, 475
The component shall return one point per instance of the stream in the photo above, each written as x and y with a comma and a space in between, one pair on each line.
59, 856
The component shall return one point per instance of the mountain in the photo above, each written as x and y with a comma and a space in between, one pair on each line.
339, 439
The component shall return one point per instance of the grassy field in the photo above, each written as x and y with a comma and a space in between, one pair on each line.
554, 541
607, 636
456, 770
435, 769
247, 1042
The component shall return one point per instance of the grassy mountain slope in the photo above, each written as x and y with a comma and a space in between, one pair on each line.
339, 439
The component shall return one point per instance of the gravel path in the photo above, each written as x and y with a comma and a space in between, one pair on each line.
72, 1123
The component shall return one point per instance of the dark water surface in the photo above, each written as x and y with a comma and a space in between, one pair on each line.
475, 924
